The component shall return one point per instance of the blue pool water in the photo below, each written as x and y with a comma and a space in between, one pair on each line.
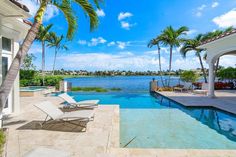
156, 122
32, 88
152, 121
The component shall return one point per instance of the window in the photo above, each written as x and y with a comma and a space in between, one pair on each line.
4, 67
4, 71
6, 44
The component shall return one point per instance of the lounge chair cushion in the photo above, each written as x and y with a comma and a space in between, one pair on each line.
70, 100
55, 113
47, 107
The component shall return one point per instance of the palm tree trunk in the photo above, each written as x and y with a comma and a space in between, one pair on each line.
54, 63
202, 66
159, 57
170, 63
43, 61
12, 73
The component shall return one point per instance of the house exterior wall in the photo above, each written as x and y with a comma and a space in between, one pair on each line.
13, 28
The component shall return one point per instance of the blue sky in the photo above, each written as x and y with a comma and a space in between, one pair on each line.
119, 43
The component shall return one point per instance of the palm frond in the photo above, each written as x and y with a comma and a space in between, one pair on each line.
66, 9
89, 10
43, 32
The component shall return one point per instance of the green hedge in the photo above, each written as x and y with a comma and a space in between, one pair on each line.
89, 89
38, 81
227, 73
27, 74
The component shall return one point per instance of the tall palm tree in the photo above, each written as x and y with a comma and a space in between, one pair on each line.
190, 46
172, 38
56, 42
42, 36
65, 6
156, 42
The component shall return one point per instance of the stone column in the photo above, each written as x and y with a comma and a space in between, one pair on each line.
211, 85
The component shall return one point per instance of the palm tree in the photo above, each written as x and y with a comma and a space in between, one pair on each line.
192, 45
42, 36
150, 45
172, 38
55, 41
65, 6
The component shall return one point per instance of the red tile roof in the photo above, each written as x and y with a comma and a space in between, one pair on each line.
219, 37
22, 6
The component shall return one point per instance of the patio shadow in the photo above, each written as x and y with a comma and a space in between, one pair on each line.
77, 126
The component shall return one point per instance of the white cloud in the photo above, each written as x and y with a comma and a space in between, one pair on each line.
82, 42
35, 48
215, 4
100, 13
226, 20
126, 25
112, 43
228, 60
33, 6
93, 41
191, 32
202, 7
122, 45
104, 61
51, 12
124, 15
199, 10
199, 14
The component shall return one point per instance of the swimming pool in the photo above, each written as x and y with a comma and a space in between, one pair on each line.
32, 91
156, 122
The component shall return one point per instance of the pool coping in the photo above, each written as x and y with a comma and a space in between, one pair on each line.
196, 106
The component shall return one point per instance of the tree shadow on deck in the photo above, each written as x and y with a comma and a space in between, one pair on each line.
76, 126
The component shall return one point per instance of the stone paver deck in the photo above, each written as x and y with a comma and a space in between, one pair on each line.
224, 100
101, 138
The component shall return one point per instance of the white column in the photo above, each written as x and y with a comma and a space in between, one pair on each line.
211, 85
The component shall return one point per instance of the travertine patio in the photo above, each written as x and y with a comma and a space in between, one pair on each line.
101, 138
224, 100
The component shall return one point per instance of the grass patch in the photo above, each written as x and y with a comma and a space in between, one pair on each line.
115, 89
89, 89
2, 140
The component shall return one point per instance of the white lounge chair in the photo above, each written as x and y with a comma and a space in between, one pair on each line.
80, 104
203, 91
56, 114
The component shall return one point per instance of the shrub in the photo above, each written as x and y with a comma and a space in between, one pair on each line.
2, 140
115, 89
89, 89
27, 74
38, 81
228, 73
189, 76
165, 89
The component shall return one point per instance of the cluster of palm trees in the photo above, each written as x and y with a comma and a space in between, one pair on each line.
65, 6
175, 38
49, 39
169, 37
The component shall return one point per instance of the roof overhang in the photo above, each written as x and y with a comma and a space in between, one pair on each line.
10, 9
221, 46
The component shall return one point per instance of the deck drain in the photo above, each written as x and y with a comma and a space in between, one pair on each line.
129, 142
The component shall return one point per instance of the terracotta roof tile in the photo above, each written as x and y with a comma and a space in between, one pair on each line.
219, 37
